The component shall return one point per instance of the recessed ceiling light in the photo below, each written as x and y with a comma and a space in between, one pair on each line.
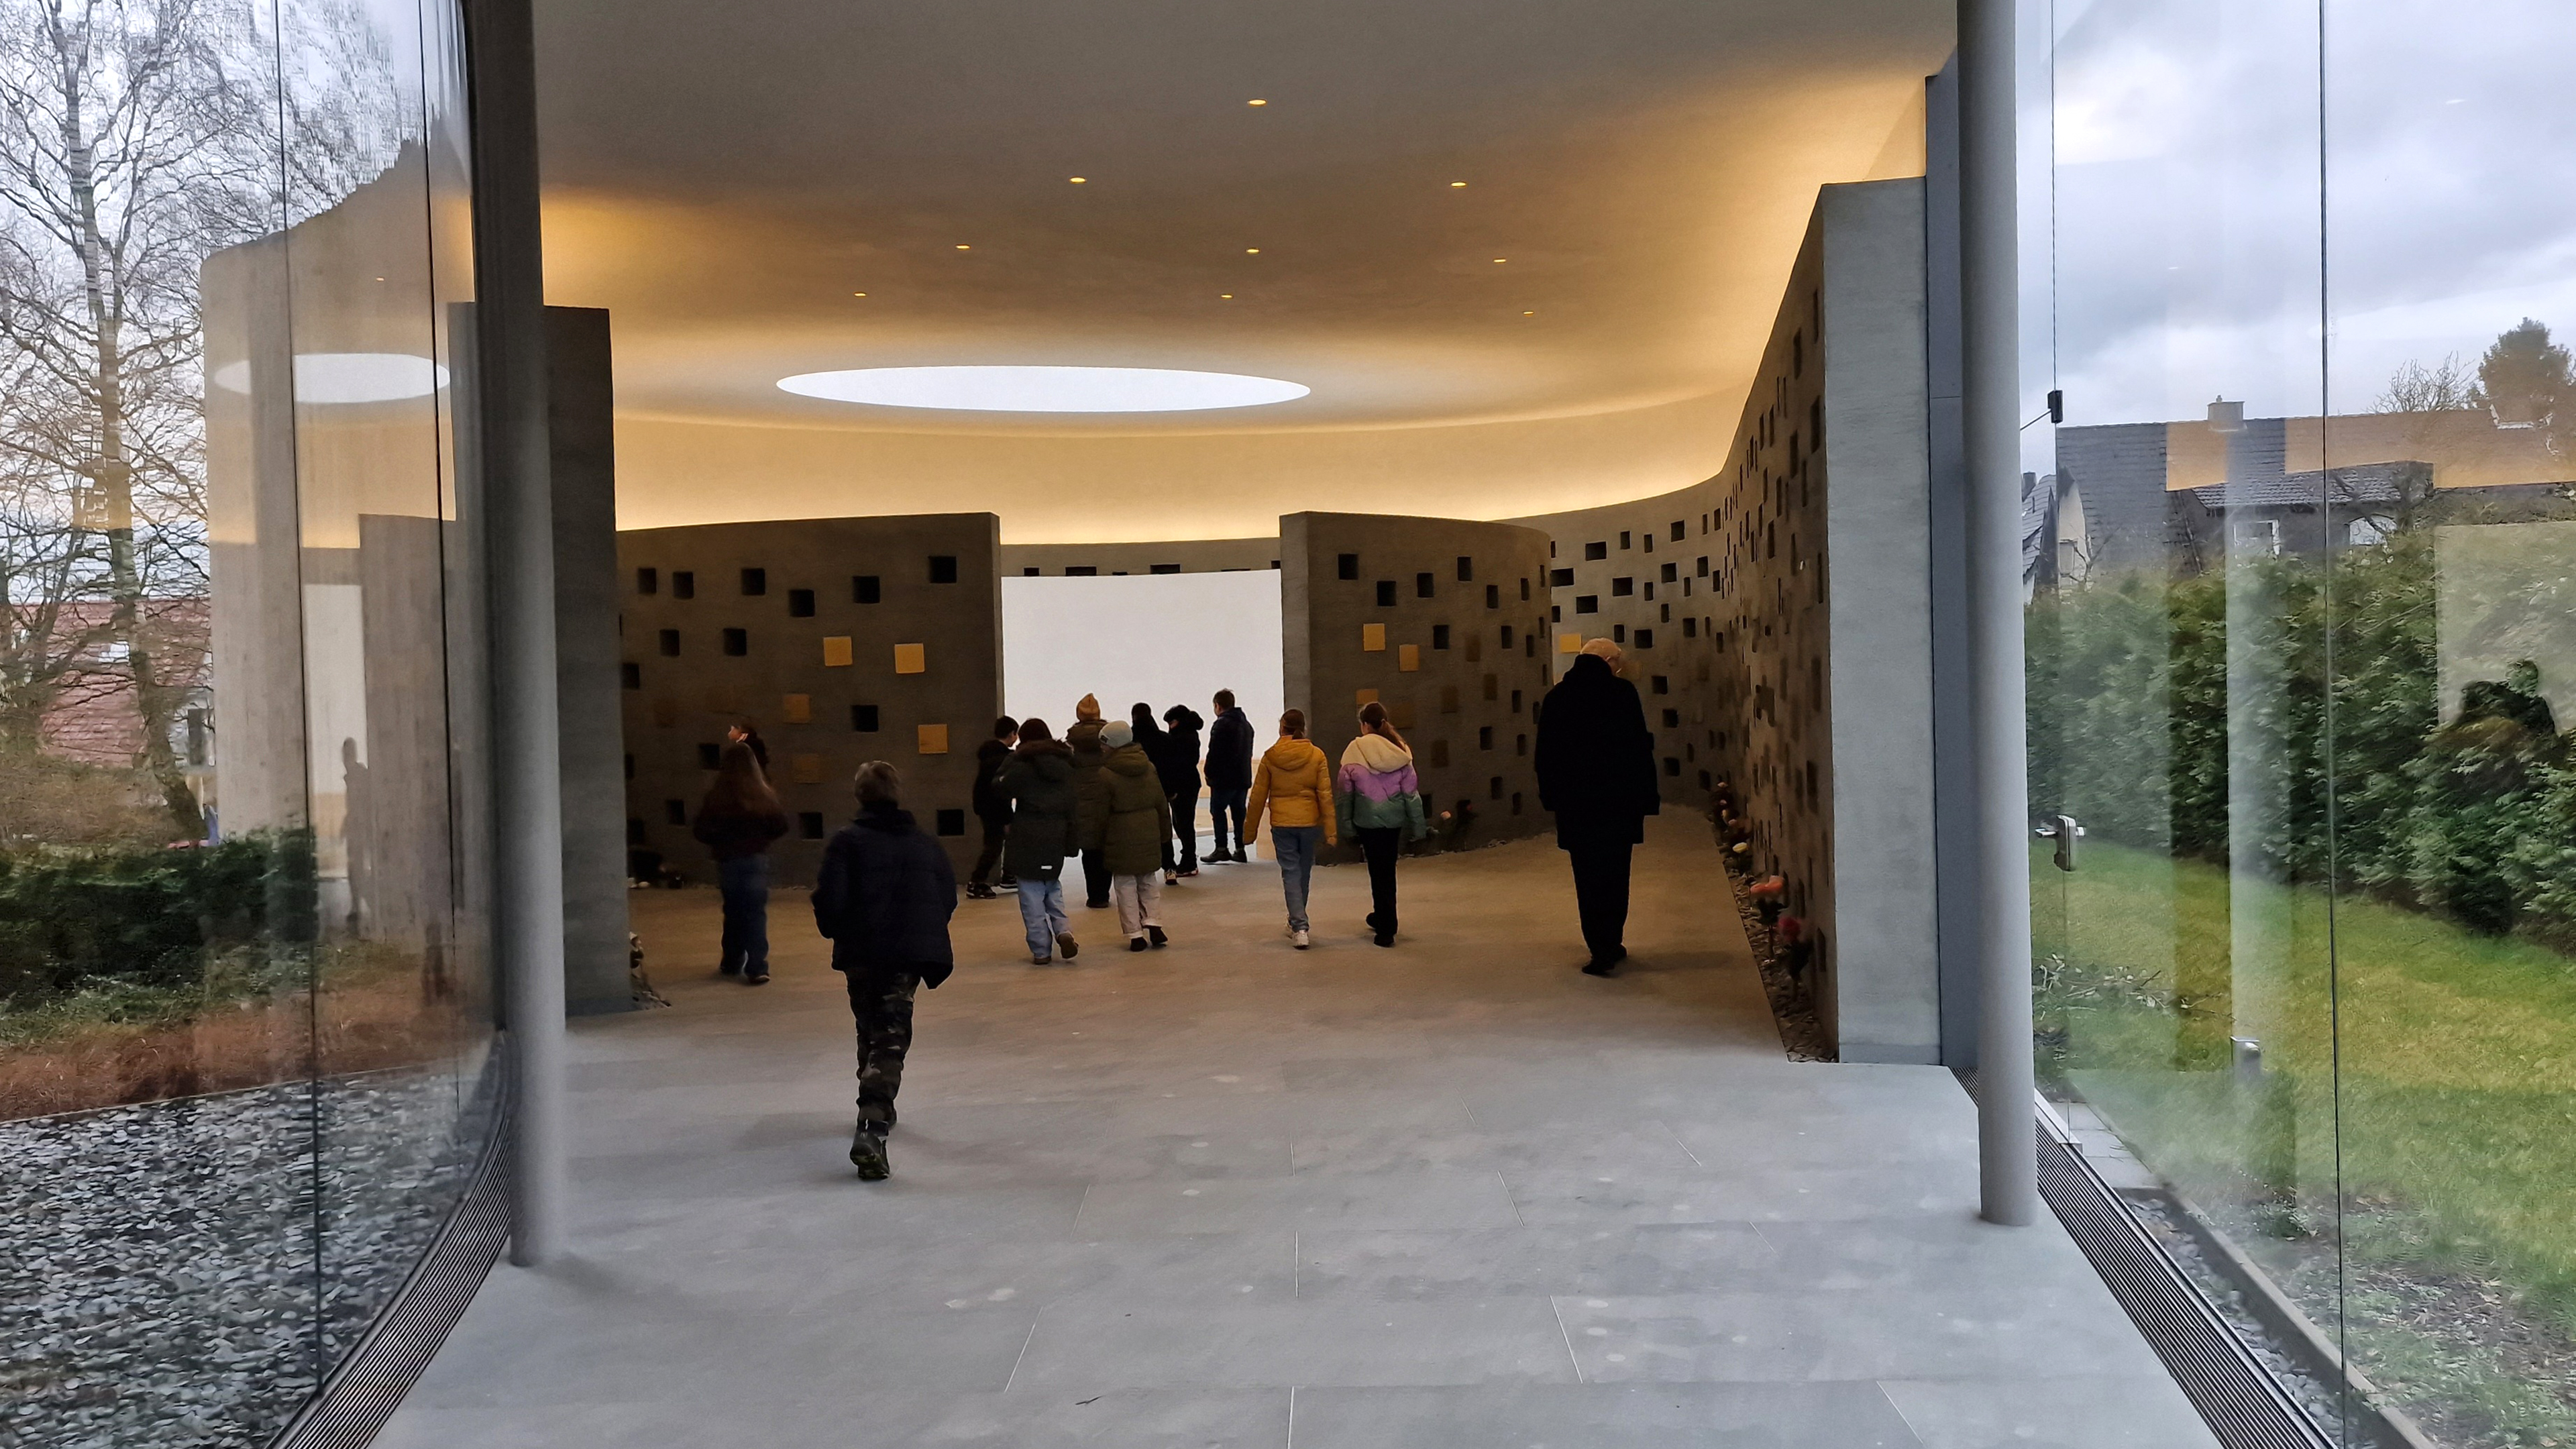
1455, 184
1256, 103
1077, 180
349, 377
1252, 251
1529, 314
858, 294
1225, 296
1498, 261
963, 247
1044, 389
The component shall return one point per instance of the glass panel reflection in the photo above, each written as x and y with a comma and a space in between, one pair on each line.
243, 1011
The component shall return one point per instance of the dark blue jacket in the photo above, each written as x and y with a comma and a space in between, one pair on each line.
1229, 752
884, 897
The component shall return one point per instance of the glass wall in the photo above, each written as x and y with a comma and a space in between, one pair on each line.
2302, 647
245, 1003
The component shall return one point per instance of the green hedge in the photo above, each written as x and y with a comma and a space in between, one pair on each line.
75, 919
2473, 820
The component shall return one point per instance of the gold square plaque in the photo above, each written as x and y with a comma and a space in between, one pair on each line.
836, 651
1408, 658
932, 738
1372, 638
797, 709
913, 659
805, 769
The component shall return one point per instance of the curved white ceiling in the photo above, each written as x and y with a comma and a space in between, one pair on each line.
730, 180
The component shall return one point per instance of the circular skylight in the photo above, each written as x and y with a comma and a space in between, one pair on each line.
349, 377
1044, 389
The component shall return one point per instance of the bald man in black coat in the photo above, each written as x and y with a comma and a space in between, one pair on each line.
1596, 771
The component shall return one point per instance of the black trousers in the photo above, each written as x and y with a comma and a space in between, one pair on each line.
1380, 844
996, 832
1185, 828
1095, 879
1601, 894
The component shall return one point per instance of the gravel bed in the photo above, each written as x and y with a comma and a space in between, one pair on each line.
1802, 1035
165, 1278
2316, 1395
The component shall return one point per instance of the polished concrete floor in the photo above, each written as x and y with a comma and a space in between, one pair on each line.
1453, 1193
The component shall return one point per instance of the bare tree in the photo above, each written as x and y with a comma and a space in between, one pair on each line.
131, 141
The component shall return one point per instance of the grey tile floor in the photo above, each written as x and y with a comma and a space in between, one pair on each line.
1454, 1193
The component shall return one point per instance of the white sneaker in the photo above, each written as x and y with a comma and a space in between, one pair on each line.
1298, 938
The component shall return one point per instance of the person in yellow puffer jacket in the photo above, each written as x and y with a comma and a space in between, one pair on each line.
1294, 782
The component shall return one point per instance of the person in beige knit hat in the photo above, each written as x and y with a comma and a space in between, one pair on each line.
1084, 739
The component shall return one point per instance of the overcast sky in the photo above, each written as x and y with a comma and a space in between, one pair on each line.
2218, 206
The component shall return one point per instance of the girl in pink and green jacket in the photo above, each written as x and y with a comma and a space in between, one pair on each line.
1377, 800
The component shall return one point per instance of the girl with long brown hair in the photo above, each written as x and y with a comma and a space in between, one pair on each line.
1377, 800
738, 819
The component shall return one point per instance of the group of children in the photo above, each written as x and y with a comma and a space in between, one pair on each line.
1123, 796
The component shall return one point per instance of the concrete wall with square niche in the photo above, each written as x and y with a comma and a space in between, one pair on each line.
1443, 621
846, 639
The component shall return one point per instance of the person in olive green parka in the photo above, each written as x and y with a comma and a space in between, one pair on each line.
1133, 820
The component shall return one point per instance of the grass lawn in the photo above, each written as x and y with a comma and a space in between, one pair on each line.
2454, 1126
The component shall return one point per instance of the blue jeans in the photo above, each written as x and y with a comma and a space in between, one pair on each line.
1295, 846
1042, 911
1221, 804
744, 883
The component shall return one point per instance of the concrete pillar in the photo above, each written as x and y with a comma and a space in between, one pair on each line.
582, 456
519, 543
1990, 298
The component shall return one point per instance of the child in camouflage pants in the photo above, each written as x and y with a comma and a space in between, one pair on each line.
884, 896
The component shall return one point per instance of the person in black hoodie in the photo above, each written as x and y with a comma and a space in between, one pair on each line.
1150, 739
1229, 774
1596, 770
992, 807
737, 820
884, 896
1178, 766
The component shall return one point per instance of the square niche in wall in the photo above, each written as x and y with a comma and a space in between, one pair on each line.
800, 603
710, 756
1386, 593
684, 584
943, 568
863, 718
737, 641
755, 583
952, 822
865, 589
809, 824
